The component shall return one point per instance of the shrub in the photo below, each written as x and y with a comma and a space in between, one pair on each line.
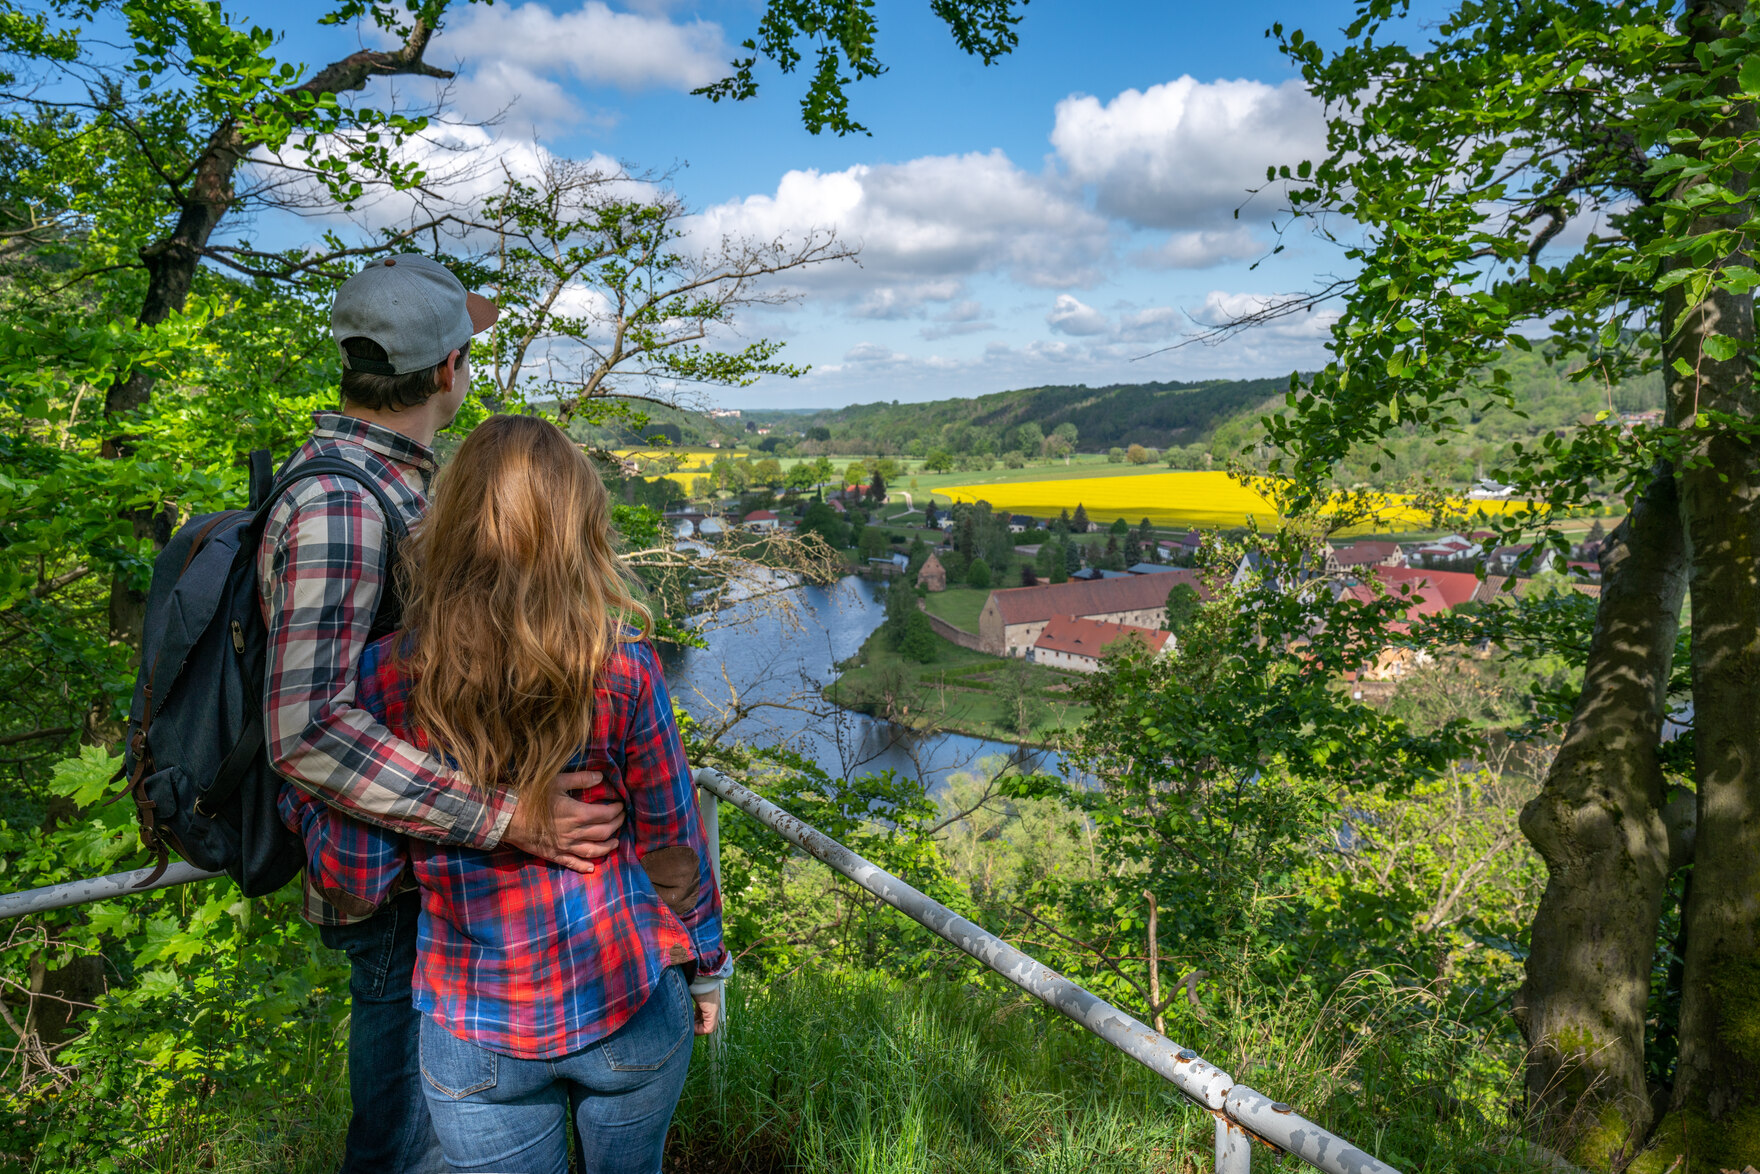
978, 575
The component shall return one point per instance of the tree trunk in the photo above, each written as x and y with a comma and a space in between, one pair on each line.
1597, 823
1714, 1114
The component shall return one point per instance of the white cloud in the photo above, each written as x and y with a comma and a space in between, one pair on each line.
924, 226
1071, 316
1201, 249
1184, 154
1221, 306
516, 55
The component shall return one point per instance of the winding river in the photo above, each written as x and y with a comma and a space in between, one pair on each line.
774, 670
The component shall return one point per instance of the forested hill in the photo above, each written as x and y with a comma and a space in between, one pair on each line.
1161, 415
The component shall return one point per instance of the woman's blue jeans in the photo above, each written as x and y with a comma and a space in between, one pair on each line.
511, 1116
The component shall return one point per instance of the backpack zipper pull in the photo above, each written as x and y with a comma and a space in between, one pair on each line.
237, 638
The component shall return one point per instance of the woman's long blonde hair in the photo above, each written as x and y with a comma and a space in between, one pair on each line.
516, 601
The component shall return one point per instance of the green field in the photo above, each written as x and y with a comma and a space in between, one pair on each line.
960, 690
958, 605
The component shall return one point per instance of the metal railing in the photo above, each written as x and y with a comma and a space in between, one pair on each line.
1242, 1114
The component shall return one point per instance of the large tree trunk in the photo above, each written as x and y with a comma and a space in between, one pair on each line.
1597, 824
171, 263
1714, 1115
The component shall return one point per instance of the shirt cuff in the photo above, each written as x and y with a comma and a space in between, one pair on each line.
482, 823
708, 980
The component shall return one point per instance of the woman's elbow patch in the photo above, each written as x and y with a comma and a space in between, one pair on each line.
676, 874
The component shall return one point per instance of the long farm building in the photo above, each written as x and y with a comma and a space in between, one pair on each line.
1013, 618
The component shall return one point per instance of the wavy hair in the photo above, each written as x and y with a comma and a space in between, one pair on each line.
516, 600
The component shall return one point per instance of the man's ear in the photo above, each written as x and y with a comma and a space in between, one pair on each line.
445, 372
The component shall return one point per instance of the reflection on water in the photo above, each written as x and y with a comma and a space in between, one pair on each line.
761, 676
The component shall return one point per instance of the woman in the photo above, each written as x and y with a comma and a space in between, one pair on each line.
546, 993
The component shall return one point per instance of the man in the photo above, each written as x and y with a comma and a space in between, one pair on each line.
404, 325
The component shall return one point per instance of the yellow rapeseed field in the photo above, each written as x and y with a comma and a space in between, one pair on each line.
1207, 499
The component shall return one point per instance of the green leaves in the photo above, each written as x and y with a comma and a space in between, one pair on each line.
841, 35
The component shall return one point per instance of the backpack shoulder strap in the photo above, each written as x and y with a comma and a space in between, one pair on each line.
388, 616
329, 465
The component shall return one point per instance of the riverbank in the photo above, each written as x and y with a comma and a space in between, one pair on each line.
961, 691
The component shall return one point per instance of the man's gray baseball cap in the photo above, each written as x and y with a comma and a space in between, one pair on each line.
413, 307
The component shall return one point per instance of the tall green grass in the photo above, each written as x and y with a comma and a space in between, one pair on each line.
865, 1075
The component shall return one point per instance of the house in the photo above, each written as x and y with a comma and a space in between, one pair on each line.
836, 506
1370, 554
765, 520
1069, 642
1149, 569
1522, 557
1013, 617
1021, 523
1419, 595
932, 576
1453, 588
1185, 544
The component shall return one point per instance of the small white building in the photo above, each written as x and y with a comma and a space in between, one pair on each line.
1070, 642
762, 520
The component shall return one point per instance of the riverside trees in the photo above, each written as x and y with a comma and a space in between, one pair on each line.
1583, 172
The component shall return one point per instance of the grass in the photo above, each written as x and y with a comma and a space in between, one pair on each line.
957, 690
959, 605
865, 1076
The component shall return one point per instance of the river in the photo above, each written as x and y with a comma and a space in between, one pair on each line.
776, 669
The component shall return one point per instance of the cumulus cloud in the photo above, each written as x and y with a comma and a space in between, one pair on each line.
1071, 316
1183, 154
514, 55
1201, 249
1222, 306
966, 317
924, 226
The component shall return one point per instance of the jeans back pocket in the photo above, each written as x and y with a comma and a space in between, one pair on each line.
456, 1067
655, 1032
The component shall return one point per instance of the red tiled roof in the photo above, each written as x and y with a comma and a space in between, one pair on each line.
1030, 605
1075, 636
761, 516
1424, 599
1452, 587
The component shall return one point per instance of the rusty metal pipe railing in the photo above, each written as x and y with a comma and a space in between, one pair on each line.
1241, 1112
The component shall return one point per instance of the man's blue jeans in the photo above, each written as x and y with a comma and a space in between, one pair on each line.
499, 1113
390, 1132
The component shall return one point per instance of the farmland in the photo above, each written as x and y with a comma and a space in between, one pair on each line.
1209, 499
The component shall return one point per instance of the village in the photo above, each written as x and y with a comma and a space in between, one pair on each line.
1057, 596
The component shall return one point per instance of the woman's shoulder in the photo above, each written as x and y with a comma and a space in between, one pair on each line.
381, 673
634, 663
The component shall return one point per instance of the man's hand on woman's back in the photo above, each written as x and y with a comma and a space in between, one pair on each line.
581, 832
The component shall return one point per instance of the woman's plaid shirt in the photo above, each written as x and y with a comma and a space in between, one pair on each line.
521, 956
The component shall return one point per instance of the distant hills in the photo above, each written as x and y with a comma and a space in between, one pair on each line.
1159, 415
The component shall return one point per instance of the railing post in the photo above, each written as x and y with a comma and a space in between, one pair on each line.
1234, 1149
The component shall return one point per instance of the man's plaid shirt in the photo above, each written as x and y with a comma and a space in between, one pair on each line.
321, 569
525, 957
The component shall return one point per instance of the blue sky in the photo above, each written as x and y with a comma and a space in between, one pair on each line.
1048, 219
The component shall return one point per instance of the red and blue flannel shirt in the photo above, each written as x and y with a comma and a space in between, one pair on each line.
519, 955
